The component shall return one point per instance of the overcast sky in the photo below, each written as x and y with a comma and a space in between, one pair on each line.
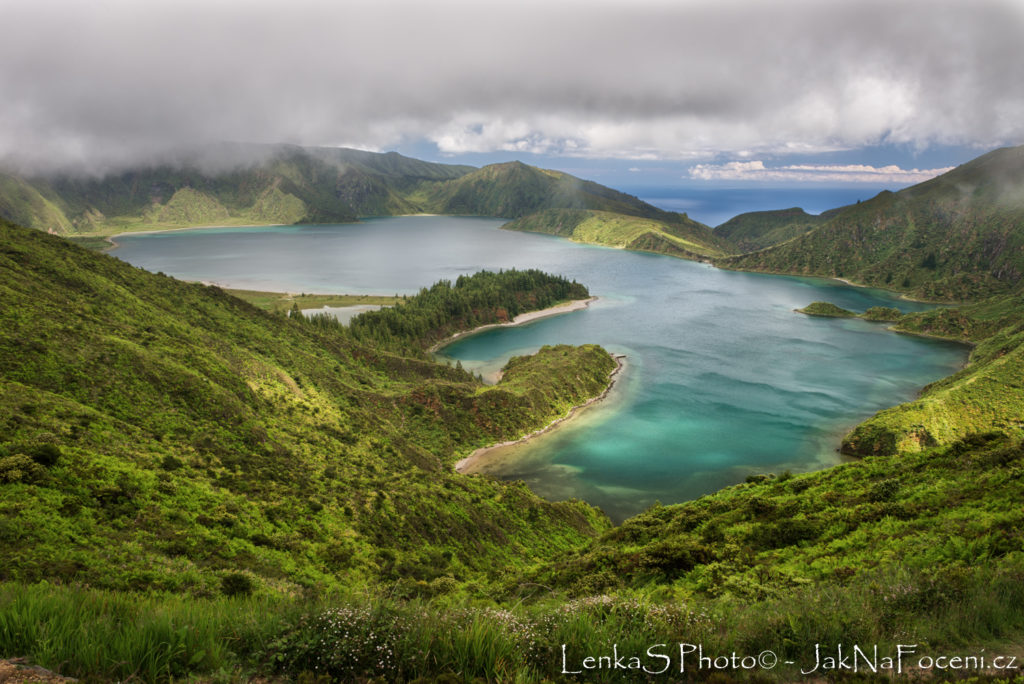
715, 90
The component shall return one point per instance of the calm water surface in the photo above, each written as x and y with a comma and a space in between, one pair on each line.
723, 379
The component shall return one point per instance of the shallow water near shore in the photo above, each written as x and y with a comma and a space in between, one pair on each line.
723, 379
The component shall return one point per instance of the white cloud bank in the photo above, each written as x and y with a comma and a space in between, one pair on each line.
813, 173
647, 79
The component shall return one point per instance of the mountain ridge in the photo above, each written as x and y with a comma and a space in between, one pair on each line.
756, 230
956, 237
236, 184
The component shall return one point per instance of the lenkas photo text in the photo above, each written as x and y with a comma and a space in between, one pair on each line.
683, 657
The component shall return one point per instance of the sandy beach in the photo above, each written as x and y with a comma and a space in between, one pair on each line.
620, 363
568, 307
885, 289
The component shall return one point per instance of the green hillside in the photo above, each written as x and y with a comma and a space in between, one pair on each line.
225, 185
400, 171
162, 435
235, 185
159, 435
246, 184
681, 237
22, 203
759, 229
986, 396
214, 492
959, 236
514, 189
556, 203
928, 516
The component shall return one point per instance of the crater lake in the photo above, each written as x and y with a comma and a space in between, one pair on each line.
722, 380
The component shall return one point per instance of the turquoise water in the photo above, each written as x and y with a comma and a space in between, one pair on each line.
723, 379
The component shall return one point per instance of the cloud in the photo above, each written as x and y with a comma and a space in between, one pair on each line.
112, 81
813, 173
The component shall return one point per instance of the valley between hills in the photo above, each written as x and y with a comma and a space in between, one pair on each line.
196, 487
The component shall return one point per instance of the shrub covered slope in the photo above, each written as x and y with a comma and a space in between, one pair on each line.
957, 237
158, 434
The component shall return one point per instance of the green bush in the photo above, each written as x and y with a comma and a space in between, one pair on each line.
46, 455
237, 584
20, 468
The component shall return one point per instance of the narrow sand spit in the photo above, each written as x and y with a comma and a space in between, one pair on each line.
620, 363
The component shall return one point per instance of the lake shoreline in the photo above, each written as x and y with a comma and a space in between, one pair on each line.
903, 296
114, 245
613, 377
521, 319
645, 320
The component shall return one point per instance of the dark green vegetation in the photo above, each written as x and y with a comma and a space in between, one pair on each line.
959, 236
112, 636
947, 507
759, 229
878, 314
882, 314
162, 435
444, 309
826, 309
987, 395
514, 189
96, 243
923, 549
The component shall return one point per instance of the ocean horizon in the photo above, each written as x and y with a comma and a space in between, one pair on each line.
713, 207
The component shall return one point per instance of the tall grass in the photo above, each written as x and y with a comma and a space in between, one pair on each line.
113, 636
105, 636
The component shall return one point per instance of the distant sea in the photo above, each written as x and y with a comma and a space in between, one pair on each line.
714, 207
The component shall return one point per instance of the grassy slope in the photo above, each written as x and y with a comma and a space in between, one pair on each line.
284, 184
556, 203
24, 204
934, 512
157, 434
287, 185
681, 237
262, 185
760, 229
922, 543
986, 395
956, 237
514, 189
